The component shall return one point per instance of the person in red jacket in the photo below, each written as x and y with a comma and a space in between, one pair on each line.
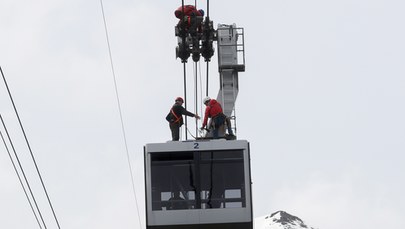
189, 12
214, 111
175, 117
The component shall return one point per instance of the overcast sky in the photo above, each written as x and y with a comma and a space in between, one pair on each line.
321, 102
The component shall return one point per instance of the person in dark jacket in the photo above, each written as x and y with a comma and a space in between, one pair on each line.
175, 117
214, 111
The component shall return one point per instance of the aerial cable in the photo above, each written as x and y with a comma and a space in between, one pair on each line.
208, 8
201, 91
207, 18
184, 63
19, 177
29, 148
120, 112
182, 7
196, 97
206, 93
185, 93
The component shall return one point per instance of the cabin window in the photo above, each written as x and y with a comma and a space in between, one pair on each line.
195, 180
173, 185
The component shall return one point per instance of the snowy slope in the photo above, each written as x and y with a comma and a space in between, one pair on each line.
280, 220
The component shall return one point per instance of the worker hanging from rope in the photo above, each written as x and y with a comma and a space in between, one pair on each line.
175, 117
214, 111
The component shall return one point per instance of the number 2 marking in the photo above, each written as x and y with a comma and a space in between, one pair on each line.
196, 145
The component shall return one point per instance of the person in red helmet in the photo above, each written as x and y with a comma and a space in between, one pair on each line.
189, 12
214, 111
175, 117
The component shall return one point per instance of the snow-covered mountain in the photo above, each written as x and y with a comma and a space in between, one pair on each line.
280, 220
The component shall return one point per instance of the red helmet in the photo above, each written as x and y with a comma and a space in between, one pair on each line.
180, 99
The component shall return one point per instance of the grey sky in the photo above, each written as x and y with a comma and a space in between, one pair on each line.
321, 102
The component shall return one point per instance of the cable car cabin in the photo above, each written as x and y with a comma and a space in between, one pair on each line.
198, 184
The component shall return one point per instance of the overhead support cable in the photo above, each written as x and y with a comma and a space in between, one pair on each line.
184, 66
120, 112
23, 173
208, 8
201, 89
207, 18
185, 93
206, 93
30, 150
196, 98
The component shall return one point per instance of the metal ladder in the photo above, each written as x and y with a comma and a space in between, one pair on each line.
231, 61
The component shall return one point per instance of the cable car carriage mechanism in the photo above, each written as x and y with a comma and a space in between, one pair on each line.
203, 183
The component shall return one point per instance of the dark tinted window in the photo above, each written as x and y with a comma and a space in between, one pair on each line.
173, 181
222, 179
217, 177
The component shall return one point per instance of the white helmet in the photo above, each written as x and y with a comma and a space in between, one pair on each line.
206, 99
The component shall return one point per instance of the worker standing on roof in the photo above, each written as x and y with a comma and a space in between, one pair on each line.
214, 111
175, 117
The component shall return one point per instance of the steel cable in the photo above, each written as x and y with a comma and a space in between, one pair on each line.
30, 150
19, 177
196, 97
120, 112
185, 94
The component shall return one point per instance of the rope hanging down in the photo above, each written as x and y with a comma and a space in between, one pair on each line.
120, 112
30, 150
